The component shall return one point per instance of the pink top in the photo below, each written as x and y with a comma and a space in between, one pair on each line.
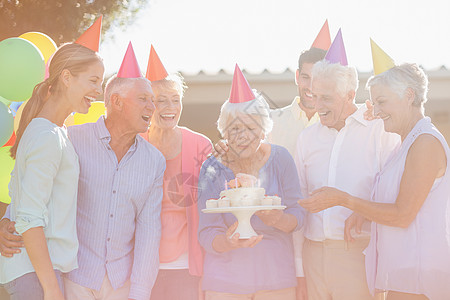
174, 234
194, 150
414, 259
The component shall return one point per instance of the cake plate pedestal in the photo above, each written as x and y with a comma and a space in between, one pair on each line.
243, 214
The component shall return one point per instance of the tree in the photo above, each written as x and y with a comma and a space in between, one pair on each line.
63, 20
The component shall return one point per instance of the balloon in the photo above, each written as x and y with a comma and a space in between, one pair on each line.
42, 41
11, 141
7, 164
4, 101
14, 107
18, 116
21, 68
95, 111
6, 124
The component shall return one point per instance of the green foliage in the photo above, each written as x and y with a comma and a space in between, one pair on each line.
64, 20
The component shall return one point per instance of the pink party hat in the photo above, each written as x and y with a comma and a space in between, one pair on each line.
129, 67
336, 53
91, 37
240, 89
155, 68
323, 39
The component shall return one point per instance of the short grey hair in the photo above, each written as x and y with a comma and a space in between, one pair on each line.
119, 85
257, 108
402, 77
173, 81
345, 77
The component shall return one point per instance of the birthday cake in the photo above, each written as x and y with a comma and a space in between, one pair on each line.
244, 191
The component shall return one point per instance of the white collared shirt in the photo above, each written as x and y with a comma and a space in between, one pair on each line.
288, 122
348, 160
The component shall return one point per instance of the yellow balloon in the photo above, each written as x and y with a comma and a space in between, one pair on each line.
43, 42
17, 117
96, 110
69, 121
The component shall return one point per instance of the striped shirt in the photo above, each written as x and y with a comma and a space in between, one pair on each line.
118, 215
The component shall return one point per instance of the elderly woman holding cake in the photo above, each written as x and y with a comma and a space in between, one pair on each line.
409, 251
260, 267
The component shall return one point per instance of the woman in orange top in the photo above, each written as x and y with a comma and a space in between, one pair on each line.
180, 254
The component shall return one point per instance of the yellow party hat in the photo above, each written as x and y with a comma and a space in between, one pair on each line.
381, 61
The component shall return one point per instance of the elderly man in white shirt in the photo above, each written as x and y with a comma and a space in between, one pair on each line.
344, 151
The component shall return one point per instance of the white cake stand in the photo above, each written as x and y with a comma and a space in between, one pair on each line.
243, 214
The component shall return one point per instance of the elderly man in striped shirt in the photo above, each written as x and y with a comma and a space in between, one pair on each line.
119, 198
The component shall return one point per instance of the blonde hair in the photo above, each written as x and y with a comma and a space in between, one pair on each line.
172, 82
72, 57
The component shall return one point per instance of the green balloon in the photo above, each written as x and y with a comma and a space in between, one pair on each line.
6, 124
7, 164
21, 68
4, 101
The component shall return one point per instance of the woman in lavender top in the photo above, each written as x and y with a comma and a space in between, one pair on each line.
261, 266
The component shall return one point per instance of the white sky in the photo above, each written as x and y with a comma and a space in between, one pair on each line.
209, 35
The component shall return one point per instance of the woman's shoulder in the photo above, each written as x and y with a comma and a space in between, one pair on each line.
194, 134
280, 152
42, 136
42, 131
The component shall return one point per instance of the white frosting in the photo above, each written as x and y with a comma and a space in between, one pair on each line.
212, 203
244, 196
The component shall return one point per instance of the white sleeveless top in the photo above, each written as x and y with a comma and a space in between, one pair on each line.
414, 259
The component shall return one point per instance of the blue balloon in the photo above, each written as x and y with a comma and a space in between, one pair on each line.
6, 124
14, 106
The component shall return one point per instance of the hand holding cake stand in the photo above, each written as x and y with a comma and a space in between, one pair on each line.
243, 200
243, 214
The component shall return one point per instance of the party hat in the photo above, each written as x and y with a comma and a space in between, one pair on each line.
91, 37
336, 53
381, 61
323, 39
155, 68
129, 67
240, 89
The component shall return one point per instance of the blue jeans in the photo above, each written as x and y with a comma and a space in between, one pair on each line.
28, 287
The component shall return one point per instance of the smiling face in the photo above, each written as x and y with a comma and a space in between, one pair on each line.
330, 105
85, 87
303, 80
390, 107
168, 107
137, 106
244, 134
